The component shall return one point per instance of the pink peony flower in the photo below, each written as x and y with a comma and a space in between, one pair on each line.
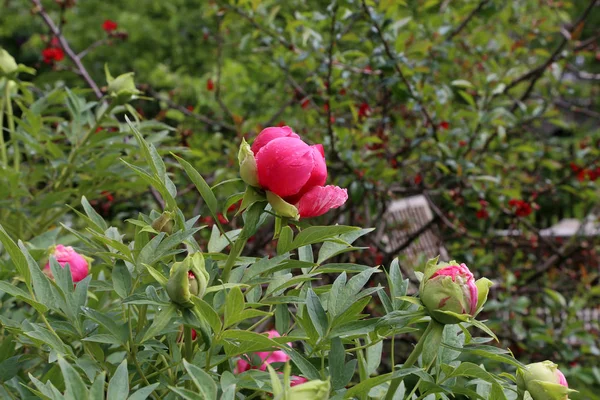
267, 357
78, 263
295, 171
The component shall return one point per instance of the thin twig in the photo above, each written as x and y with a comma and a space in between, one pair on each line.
393, 58
148, 90
91, 47
67, 48
328, 81
467, 19
536, 73
219, 70
280, 111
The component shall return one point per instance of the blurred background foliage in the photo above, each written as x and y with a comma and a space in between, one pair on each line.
487, 108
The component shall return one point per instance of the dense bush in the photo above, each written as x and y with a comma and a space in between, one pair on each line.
486, 108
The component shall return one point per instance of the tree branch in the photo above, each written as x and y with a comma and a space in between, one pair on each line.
66, 47
392, 57
466, 21
536, 73
328, 81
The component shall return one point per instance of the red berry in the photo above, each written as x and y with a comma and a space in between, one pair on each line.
109, 26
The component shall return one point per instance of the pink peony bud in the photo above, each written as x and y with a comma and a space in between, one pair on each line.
78, 263
295, 172
450, 293
267, 357
543, 381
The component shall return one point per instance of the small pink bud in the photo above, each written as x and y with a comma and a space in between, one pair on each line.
77, 263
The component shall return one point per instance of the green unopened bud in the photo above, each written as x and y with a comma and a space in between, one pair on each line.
188, 277
248, 170
164, 223
122, 88
543, 381
313, 390
8, 65
450, 293
282, 207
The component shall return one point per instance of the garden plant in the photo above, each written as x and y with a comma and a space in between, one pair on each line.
193, 196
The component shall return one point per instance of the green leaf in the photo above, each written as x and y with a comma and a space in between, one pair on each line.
237, 342
363, 387
398, 285
305, 366
44, 292
473, 370
206, 386
143, 393
432, 343
118, 331
285, 239
234, 305
17, 257
157, 275
317, 234
97, 388
316, 312
75, 388
203, 188
337, 362
209, 313
331, 249
22, 295
97, 220
186, 394
121, 280
118, 386
161, 321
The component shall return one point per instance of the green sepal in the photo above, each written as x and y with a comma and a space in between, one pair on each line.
247, 161
282, 207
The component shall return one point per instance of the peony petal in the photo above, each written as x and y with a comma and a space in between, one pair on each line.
284, 166
318, 175
297, 380
272, 133
321, 199
561, 378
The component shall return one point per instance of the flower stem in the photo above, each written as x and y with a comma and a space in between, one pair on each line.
3, 156
188, 351
235, 252
11, 126
410, 361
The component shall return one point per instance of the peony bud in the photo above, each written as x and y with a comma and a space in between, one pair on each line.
450, 293
8, 65
312, 390
294, 172
543, 381
78, 264
122, 88
187, 278
164, 223
247, 162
